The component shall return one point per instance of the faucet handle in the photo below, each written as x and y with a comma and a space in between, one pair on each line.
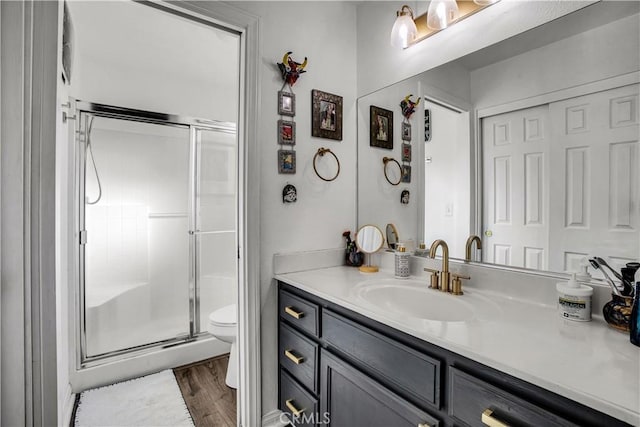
456, 283
434, 278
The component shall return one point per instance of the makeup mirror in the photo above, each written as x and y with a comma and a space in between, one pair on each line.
369, 239
392, 236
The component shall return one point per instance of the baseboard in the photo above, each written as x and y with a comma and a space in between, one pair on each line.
275, 418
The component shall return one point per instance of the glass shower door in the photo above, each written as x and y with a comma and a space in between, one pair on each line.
135, 217
216, 222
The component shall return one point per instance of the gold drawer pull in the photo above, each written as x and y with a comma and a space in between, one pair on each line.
489, 420
295, 359
291, 312
295, 411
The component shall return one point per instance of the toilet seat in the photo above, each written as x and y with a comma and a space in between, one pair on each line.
225, 316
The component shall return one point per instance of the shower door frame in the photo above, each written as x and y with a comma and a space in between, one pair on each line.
82, 109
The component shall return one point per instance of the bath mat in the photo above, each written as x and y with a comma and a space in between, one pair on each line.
154, 400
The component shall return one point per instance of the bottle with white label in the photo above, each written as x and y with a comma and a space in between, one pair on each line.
574, 300
402, 263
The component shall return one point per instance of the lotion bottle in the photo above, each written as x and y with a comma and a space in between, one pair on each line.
402, 262
574, 300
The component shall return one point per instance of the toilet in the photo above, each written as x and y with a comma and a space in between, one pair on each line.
223, 324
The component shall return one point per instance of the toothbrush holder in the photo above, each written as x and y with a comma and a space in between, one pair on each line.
617, 312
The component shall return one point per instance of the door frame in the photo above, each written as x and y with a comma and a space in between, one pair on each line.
30, 40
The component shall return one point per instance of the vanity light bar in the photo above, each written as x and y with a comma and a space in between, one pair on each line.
466, 8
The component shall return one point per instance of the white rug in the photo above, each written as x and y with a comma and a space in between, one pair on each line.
154, 400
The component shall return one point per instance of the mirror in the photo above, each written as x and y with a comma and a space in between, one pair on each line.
369, 239
513, 155
392, 236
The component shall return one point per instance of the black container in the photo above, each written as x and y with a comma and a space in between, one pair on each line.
617, 312
634, 321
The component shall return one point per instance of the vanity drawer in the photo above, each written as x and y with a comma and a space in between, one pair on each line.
470, 397
297, 311
294, 398
404, 369
299, 356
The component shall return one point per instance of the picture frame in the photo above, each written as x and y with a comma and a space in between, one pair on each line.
286, 132
381, 127
406, 174
406, 131
286, 161
326, 112
286, 103
406, 153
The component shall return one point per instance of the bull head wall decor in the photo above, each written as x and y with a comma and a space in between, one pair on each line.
291, 69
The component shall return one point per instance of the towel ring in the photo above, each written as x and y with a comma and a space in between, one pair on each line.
386, 161
321, 152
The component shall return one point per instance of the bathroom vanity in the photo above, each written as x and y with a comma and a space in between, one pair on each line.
356, 350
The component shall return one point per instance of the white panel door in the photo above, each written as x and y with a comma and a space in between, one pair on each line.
594, 170
516, 188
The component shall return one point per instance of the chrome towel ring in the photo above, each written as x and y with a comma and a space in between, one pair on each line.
386, 161
321, 152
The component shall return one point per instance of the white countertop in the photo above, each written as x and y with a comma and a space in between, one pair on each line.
588, 362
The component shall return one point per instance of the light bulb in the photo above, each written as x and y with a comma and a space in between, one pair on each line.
441, 13
404, 30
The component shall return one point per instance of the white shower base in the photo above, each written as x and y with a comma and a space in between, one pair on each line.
121, 316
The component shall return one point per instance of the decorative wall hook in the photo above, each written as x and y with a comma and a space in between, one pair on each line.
321, 152
404, 197
408, 106
291, 69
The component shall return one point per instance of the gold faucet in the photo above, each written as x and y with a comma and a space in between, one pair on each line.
467, 250
444, 274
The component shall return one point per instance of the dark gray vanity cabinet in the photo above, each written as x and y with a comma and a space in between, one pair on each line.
341, 369
351, 398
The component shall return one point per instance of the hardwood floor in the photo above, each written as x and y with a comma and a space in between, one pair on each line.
210, 401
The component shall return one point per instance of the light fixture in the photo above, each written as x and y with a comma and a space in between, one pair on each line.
404, 30
484, 2
441, 13
409, 30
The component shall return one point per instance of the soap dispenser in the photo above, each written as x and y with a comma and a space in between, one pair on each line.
574, 300
402, 262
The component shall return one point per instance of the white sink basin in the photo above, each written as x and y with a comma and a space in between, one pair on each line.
413, 298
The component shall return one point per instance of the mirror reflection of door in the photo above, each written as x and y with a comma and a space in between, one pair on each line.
516, 188
561, 182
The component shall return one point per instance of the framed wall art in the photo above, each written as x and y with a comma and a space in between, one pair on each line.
406, 131
286, 103
381, 127
406, 174
286, 161
406, 153
286, 132
326, 115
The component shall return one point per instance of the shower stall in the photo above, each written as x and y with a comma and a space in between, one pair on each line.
157, 225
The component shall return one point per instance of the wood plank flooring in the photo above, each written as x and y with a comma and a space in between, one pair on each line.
210, 401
